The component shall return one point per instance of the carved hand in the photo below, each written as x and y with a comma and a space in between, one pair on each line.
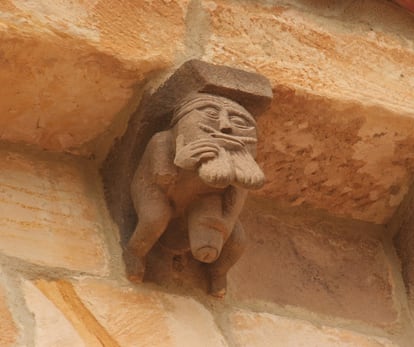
189, 156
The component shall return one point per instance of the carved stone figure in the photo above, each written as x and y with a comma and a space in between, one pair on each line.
194, 178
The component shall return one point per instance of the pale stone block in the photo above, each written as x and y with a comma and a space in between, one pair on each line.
95, 312
71, 67
52, 328
324, 264
250, 329
8, 329
149, 318
296, 44
52, 212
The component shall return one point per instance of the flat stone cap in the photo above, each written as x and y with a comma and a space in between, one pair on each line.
251, 90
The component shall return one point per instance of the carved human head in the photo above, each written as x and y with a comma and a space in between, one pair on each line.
223, 123
202, 115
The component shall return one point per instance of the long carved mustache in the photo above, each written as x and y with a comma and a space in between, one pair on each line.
234, 164
232, 168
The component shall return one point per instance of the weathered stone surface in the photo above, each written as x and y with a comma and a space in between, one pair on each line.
8, 333
153, 319
52, 211
329, 266
408, 4
404, 243
325, 56
71, 66
52, 328
104, 313
343, 69
339, 135
266, 330
336, 156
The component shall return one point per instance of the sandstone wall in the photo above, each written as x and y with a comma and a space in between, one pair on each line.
326, 232
62, 281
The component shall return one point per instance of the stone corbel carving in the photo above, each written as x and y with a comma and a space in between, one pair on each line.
193, 177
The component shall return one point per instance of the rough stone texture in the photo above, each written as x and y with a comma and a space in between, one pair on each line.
265, 330
408, 4
51, 211
328, 266
339, 135
52, 328
120, 316
404, 243
343, 68
8, 334
71, 66
332, 156
153, 319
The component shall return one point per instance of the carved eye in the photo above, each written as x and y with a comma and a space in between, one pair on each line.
240, 121
209, 111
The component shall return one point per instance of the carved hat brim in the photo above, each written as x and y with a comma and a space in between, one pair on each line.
251, 90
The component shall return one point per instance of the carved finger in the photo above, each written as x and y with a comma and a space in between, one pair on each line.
231, 145
198, 151
205, 139
204, 143
207, 155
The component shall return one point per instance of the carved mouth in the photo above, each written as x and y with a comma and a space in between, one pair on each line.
237, 141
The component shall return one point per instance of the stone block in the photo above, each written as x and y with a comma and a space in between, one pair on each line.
318, 49
326, 265
9, 332
52, 211
85, 61
336, 156
339, 134
113, 315
152, 318
249, 329
51, 327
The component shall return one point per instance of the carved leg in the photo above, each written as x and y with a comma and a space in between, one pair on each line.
154, 214
232, 251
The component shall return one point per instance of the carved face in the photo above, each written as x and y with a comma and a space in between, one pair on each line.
209, 116
218, 137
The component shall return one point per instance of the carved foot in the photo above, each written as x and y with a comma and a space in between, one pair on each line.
218, 286
135, 267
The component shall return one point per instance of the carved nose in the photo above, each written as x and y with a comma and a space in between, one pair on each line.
225, 125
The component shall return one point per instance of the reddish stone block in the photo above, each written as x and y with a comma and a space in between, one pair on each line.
330, 266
